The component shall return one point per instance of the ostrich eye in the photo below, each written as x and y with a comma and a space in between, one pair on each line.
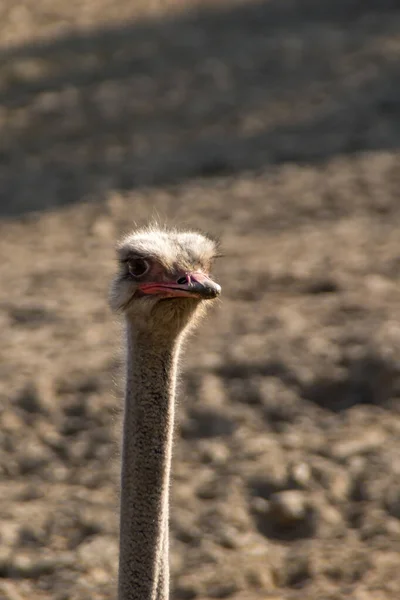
138, 267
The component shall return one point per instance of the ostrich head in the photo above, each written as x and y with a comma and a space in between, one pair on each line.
163, 278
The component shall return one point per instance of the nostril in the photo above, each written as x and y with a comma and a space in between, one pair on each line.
182, 280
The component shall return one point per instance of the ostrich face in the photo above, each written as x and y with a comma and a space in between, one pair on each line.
163, 276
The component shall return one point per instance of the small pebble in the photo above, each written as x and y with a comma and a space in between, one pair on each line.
301, 473
288, 507
260, 505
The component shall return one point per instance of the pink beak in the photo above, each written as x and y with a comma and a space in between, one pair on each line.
191, 285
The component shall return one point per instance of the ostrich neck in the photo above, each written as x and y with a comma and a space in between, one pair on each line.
146, 461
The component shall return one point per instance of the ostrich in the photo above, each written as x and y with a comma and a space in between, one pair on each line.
161, 288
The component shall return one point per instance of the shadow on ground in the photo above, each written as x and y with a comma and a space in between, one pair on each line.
203, 94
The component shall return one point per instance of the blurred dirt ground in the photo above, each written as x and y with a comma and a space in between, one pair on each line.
275, 126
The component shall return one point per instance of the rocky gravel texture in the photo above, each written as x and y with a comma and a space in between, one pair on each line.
275, 126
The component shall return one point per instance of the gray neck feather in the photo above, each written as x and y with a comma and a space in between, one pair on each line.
146, 462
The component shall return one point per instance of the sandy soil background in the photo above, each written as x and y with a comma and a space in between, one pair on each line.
274, 125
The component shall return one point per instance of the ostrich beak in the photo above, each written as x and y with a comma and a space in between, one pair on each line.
190, 285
